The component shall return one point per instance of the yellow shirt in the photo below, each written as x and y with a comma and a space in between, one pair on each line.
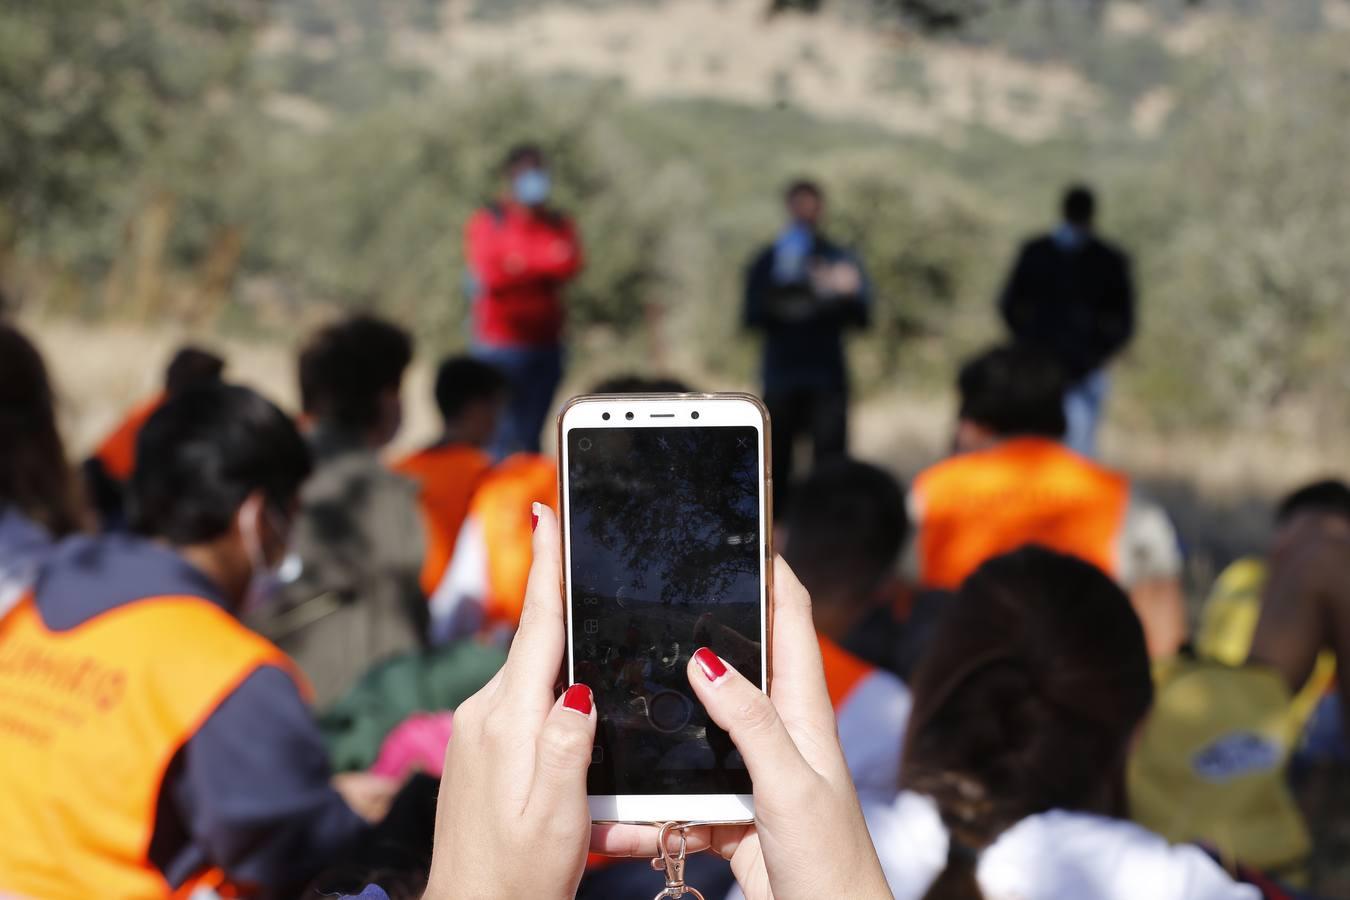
1210, 763
1228, 623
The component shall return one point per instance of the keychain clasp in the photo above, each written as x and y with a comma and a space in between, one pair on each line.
673, 864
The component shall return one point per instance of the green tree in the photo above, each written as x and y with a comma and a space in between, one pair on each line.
372, 210
92, 93
1243, 240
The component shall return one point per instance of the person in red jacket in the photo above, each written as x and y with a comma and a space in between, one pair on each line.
521, 253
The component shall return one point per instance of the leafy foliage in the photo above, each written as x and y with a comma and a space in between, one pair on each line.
345, 174
1246, 241
95, 97
669, 557
370, 212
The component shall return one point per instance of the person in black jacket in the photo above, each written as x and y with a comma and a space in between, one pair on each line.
803, 291
1070, 294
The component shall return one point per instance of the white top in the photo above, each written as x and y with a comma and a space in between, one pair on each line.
458, 603
1050, 856
23, 546
1149, 548
871, 723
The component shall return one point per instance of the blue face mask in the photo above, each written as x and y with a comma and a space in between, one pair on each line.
532, 187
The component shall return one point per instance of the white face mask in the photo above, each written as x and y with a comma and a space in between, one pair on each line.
265, 578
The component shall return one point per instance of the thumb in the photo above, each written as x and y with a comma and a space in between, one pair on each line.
748, 715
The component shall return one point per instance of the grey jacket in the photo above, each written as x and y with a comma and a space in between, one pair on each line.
358, 543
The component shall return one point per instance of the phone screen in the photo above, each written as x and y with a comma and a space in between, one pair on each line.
664, 530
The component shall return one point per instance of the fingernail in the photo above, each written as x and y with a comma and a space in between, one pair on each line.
534, 516
577, 698
711, 664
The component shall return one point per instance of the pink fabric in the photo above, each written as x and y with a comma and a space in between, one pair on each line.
417, 744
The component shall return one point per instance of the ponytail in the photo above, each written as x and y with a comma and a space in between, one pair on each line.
968, 817
1025, 701
957, 881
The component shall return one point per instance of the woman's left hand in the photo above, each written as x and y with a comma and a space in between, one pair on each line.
512, 819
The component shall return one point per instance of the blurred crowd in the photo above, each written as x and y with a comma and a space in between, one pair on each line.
232, 641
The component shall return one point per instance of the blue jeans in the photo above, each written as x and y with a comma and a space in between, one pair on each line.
533, 374
1083, 411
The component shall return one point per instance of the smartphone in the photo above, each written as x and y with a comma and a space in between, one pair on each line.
665, 509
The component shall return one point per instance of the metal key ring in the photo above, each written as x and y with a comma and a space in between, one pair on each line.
673, 865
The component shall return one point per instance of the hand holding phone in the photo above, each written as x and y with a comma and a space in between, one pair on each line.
512, 819
514, 781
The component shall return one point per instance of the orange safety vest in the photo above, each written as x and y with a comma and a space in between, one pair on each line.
975, 506
90, 720
447, 478
117, 453
501, 507
843, 671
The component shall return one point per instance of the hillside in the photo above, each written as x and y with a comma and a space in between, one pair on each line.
244, 170
726, 50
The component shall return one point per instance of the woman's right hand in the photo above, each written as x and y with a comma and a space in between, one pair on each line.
809, 839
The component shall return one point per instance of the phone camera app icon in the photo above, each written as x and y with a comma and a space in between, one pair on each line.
584, 444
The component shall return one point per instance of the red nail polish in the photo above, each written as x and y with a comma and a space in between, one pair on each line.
534, 519
578, 699
712, 665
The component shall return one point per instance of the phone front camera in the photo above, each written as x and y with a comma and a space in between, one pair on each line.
628, 416
693, 415
605, 417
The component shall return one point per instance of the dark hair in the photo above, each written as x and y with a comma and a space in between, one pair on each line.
202, 453
1079, 204
803, 186
192, 367
524, 152
34, 475
1026, 699
1014, 390
345, 367
640, 384
1328, 496
462, 380
845, 529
